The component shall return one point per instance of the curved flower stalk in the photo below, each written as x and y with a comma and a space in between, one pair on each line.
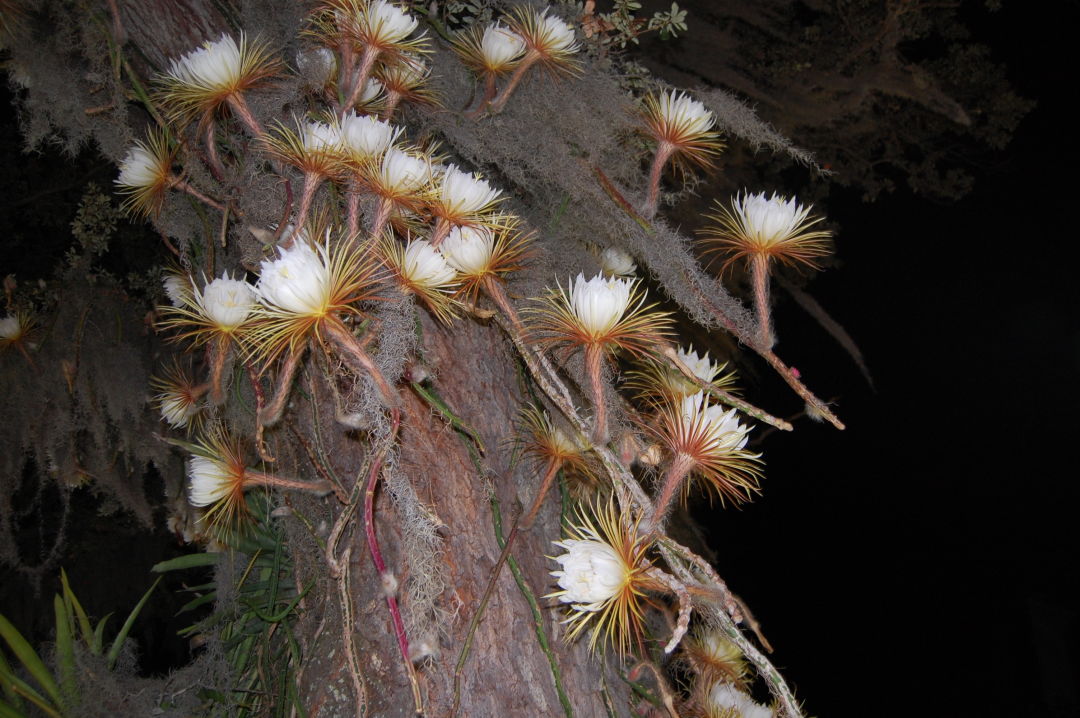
15, 331
364, 31
215, 316
603, 577
305, 293
763, 230
490, 51
601, 316
548, 41
682, 130
364, 139
179, 397
461, 198
658, 381
405, 79
401, 179
316, 149
200, 82
420, 269
146, 175
723, 700
707, 442
218, 476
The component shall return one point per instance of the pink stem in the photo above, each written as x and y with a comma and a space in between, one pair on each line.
352, 211
679, 469
759, 265
212, 159
442, 228
218, 351
183, 186
392, 100
526, 62
258, 478
663, 154
312, 181
545, 486
594, 354
350, 351
367, 61
240, 107
489, 92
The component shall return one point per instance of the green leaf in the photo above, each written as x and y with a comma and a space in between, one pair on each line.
65, 650
29, 659
75, 607
114, 651
97, 646
6, 711
5, 683
25, 690
191, 560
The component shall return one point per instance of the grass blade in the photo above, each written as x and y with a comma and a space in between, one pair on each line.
118, 642
29, 659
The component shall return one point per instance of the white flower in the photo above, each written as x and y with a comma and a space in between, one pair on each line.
593, 573
214, 66
721, 430
425, 266
366, 136
500, 46
599, 303
177, 288
10, 327
769, 221
461, 193
140, 168
726, 697
616, 262
226, 302
372, 89
688, 115
388, 23
319, 137
211, 481
701, 367
554, 36
177, 407
297, 282
402, 172
469, 249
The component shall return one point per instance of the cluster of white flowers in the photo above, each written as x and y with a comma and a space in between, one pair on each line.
592, 573
722, 429
298, 281
767, 221
226, 302
599, 303
469, 249
214, 66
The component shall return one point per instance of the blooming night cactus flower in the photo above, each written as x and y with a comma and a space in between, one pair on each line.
469, 249
298, 281
726, 701
617, 263
603, 577
145, 175
500, 48
365, 137
774, 228
226, 302
423, 271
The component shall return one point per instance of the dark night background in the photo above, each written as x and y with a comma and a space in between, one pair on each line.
924, 561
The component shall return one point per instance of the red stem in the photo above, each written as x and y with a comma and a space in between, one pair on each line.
759, 265
212, 159
526, 62
312, 180
367, 61
218, 352
663, 154
240, 107
679, 469
594, 354
350, 351
545, 485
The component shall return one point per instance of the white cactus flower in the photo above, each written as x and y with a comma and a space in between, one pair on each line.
469, 249
501, 46
387, 23
426, 267
141, 169
556, 37
689, 116
365, 136
728, 700
617, 263
371, 92
461, 193
177, 408
320, 137
297, 282
214, 66
177, 288
769, 221
226, 302
599, 303
592, 573
401, 172
10, 327
210, 481
720, 430
701, 367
